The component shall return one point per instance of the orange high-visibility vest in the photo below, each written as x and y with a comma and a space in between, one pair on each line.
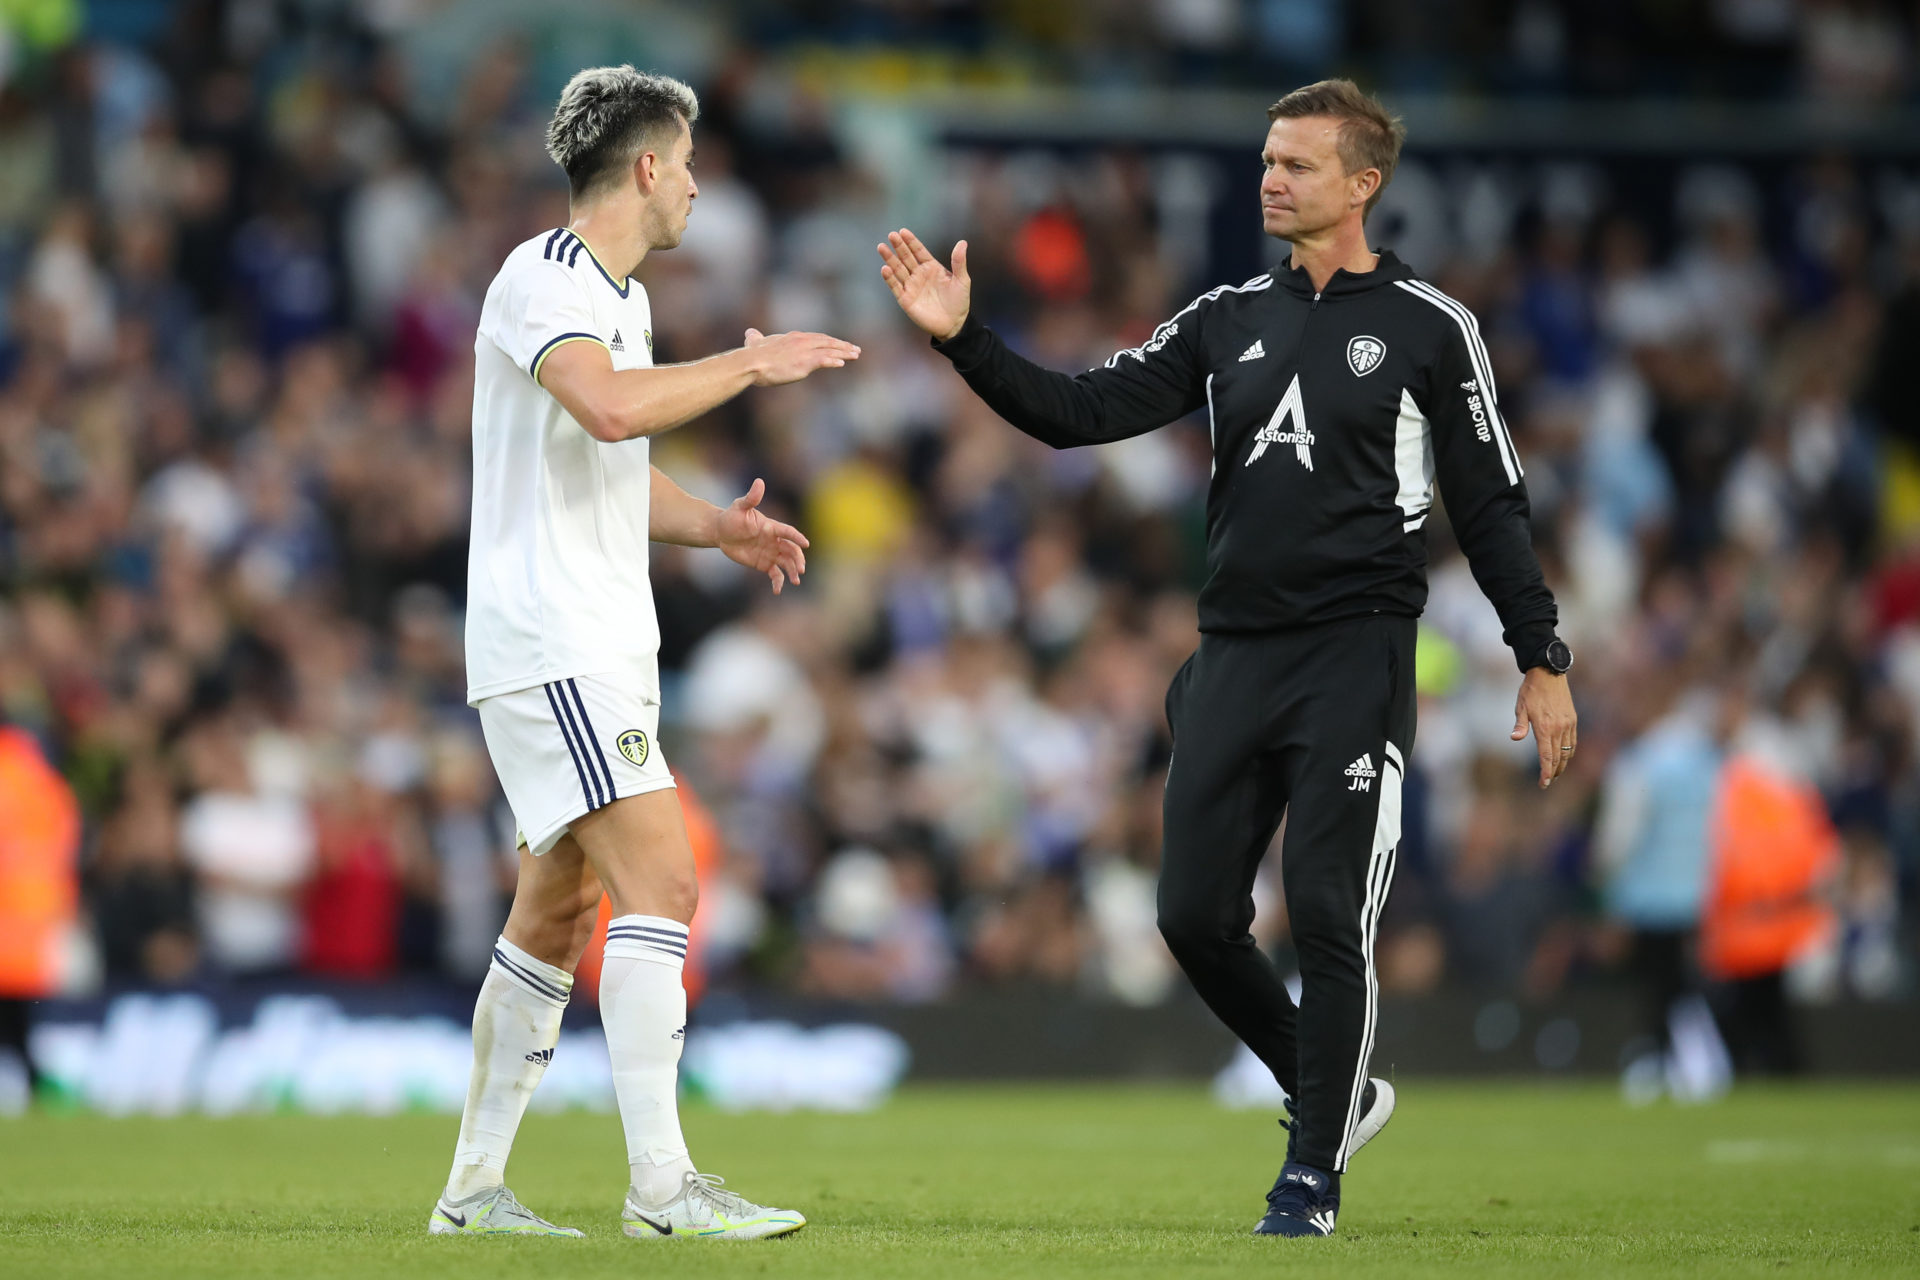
1773, 846
39, 854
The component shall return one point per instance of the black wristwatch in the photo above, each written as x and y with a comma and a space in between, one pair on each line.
1554, 656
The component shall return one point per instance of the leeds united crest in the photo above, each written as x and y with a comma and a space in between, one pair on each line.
1364, 355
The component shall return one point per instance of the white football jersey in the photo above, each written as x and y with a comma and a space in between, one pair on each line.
557, 580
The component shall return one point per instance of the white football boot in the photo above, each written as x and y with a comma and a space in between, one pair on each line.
494, 1212
706, 1210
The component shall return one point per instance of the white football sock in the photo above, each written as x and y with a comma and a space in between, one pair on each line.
516, 1024
644, 1009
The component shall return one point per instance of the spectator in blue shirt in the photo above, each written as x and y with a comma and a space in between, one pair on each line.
1651, 840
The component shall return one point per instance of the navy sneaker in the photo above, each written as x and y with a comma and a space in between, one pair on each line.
1304, 1201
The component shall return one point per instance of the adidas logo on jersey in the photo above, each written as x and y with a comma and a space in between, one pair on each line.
1253, 352
616, 344
1362, 772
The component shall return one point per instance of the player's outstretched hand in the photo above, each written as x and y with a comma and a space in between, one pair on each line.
752, 538
1545, 705
789, 357
934, 297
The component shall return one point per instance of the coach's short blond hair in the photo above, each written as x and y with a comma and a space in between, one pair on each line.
1370, 135
608, 115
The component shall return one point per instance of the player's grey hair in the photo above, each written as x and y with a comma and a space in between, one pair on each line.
607, 116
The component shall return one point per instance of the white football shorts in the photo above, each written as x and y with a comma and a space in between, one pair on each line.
564, 749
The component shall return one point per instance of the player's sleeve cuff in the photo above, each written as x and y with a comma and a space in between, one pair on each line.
968, 347
540, 357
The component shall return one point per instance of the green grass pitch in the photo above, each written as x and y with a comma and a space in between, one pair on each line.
1481, 1180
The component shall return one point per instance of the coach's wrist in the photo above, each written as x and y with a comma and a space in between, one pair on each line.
1527, 642
963, 344
1553, 657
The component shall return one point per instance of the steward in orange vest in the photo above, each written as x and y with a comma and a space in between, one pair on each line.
1773, 849
39, 882
39, 876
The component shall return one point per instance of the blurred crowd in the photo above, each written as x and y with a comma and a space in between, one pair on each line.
1843, 52
240, 268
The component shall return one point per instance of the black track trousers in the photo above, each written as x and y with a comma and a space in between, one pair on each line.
1315, 723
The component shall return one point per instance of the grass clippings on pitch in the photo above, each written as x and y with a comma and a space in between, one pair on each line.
1482, 1180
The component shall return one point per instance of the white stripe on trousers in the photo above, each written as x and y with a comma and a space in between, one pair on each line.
1386, 843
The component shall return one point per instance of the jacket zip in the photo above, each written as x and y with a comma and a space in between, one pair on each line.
1300, 347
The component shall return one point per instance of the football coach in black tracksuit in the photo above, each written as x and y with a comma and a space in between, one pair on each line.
1339, 388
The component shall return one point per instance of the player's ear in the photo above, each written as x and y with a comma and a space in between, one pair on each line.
645, 171
1365, 183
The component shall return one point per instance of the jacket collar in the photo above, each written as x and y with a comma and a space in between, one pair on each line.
1344, 283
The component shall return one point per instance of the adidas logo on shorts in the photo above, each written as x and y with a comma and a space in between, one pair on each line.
1362, 772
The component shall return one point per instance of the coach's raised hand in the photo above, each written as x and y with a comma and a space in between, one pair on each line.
935, 298
789, 357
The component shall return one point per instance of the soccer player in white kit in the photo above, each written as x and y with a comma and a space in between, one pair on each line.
562, 649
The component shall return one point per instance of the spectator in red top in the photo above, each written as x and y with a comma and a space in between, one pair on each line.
351, 908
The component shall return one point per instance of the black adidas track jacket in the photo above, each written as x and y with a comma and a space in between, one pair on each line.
1332, 414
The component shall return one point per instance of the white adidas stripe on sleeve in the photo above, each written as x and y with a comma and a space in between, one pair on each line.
1161, 334
1482, 368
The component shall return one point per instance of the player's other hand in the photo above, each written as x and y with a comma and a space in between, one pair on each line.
934, 297
752, 538
1545, 705
789, 357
